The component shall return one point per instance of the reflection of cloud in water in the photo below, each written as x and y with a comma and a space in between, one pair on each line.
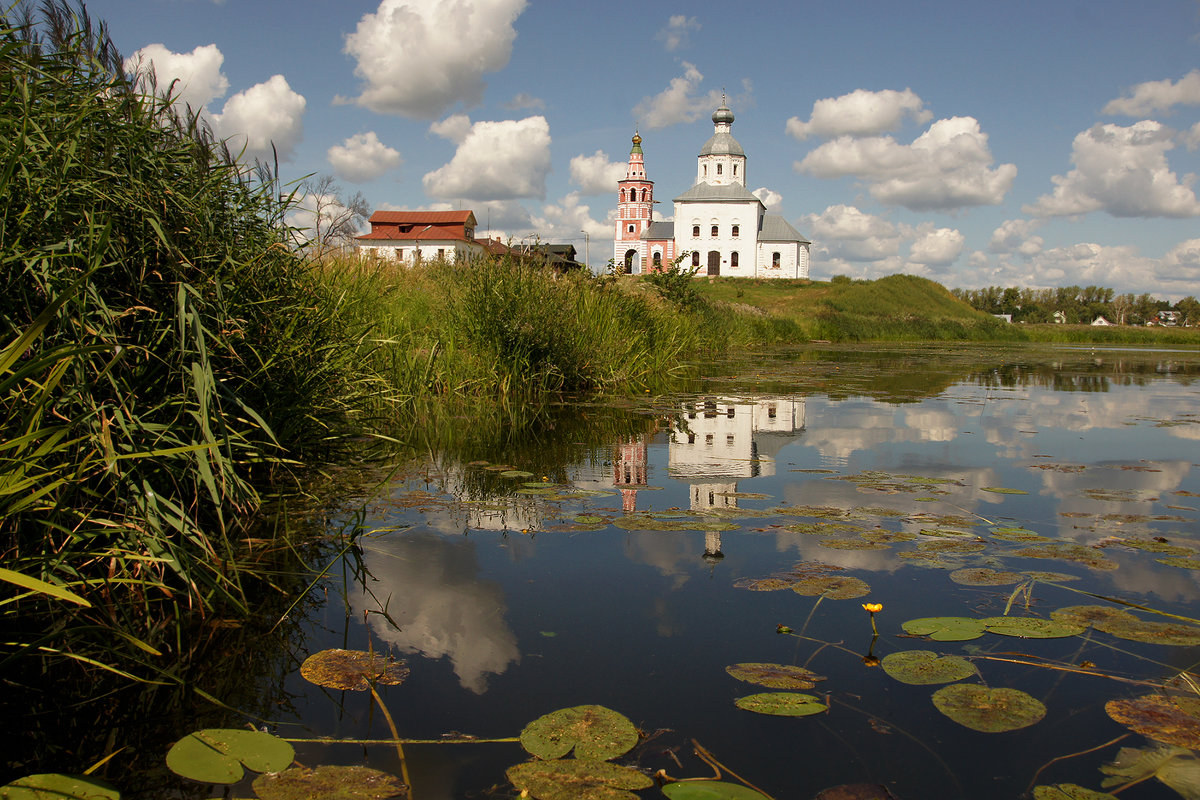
430, 586
1143, 487
672, 553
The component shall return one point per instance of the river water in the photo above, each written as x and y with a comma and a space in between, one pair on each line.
625, 554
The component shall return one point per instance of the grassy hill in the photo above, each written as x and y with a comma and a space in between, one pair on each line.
897, 308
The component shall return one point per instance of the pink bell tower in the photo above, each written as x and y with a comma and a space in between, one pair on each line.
635, 199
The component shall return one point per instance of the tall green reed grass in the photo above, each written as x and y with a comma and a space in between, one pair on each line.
165, 352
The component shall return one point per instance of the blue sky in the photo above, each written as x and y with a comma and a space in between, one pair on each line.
1021, 143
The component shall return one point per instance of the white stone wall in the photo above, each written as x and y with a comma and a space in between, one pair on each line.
406, 250
724, 216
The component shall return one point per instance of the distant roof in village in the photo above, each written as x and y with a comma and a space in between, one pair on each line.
415, 225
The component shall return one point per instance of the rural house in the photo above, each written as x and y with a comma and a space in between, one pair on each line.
413, 236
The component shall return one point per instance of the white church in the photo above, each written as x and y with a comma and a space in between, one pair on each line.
719, 224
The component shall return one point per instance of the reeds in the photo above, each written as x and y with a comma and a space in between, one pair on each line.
163, 348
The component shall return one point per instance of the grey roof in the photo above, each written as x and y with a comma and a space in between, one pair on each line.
706, 192
722, 144
659, 230
777, 229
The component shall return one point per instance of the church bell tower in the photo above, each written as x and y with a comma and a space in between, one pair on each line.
635, 200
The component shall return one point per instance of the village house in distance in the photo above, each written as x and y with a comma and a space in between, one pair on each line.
411, 237
722, 226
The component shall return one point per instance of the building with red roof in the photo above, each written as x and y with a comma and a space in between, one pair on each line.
413, 236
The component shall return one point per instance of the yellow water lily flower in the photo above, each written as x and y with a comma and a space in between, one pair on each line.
873, 607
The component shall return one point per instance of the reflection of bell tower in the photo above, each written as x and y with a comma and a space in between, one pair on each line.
635, 199
712, 547
629, 469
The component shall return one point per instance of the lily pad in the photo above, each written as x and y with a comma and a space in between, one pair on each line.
988, 710
1068, 551
1182, 563
856, 791
1032, 627
52, 786
839, 543
1099, 617
1176, 767
1167, 633
577, 779
888, 537
594, 732
949, 547
782, 704
945, 629
1003, 490
1018, 535
985, 576
833, 587
329, 783
775, 676
217, 755
710, 790
352, 670
1157, 717
1069, 791
923, 667
516, 473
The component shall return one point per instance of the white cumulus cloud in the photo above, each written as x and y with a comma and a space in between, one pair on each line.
1151, 96
265, 114
595, 174
938, 247
420, 57
1181, 265
860, 113
1016, 236
1121, 170
362, 157
496, 161
679, 102
197, 75
771, 199
946, 167
567, 220
454, 127
676, 35
847, 234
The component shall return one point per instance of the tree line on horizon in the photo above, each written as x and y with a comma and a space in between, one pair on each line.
1079, 305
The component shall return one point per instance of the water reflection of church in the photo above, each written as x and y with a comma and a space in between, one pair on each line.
713, 443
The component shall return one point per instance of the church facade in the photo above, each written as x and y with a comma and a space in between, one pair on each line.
720, 228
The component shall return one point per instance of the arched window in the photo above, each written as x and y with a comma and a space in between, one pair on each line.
733, 259
705, 168
695, 231
657, 259
696, 258
735, 230
714, 230
631, 229
622, 195
645, 195
775, 259
718, 169
735, 169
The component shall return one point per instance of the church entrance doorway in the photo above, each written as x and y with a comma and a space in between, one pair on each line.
714, 262
630, 255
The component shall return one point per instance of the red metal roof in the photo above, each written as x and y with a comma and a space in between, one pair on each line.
420, 225
422, 217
